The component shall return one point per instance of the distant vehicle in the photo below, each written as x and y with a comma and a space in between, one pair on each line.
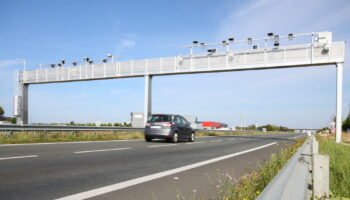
170, 127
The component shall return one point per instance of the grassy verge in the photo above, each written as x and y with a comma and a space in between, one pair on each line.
250, 185
225, 133
339, 155
67, 136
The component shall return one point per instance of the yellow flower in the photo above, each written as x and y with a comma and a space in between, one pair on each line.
258, 192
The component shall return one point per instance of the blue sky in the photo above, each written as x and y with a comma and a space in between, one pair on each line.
47, 31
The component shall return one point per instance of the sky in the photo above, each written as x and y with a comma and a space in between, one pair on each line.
46, 31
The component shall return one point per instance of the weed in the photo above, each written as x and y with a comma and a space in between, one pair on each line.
339, 155
250, 185
66, 136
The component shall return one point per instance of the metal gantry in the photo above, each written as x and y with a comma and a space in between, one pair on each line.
321, 51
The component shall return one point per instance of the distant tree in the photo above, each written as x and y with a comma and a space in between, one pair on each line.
251, 127
346, 123
71, 123
14, 120
2, 112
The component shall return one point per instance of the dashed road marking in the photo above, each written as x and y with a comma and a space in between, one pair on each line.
216, 141
125, 184
155, 146
101, 150
17, 157
195, 142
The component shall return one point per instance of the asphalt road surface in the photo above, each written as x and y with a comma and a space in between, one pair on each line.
131, 169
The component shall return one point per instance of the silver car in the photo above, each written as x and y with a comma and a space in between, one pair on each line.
170, 127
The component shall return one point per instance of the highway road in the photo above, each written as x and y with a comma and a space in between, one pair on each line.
130, 169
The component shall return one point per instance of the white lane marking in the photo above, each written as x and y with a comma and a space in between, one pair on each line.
79, 142
231, 139
17, 157
195, 142
100, 150
205, 136
293, 137
215, 141
166, 145
125, 184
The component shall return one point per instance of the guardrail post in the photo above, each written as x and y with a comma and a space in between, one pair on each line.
321, 176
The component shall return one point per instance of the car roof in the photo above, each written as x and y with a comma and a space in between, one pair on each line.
164, 114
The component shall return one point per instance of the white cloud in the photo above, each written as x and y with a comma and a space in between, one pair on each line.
298, 16
127, 43
7, 63
256, 18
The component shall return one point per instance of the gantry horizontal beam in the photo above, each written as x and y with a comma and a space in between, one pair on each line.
254, 59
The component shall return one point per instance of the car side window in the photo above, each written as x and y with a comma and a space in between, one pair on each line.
184, 121
177, 120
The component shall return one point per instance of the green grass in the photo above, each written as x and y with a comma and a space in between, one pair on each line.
339, 155
226, 133
250, 185
67, 136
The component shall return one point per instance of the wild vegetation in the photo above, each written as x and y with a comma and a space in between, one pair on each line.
13, 137
250, 185
67, 136
227, 133
4, 118
339, 155
267, 127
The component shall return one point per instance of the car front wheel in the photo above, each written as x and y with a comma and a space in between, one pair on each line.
175, 138
192, 138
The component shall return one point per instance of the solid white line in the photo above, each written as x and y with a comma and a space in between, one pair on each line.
78, 142
100, 150
155, 146
125, 184
16, 157
293, 137
195, 142
231, 139
216, 141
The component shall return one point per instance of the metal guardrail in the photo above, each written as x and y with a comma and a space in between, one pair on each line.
15, 127
292, 182
64, 128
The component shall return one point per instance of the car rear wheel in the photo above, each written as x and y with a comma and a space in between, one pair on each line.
192, 138
175, 138
148, 139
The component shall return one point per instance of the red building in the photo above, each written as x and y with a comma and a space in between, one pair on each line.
212, 125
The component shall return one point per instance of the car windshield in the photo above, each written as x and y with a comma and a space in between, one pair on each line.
160, 118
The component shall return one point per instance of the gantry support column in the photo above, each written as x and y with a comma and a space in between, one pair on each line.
148, 98
23, 105
338, 123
